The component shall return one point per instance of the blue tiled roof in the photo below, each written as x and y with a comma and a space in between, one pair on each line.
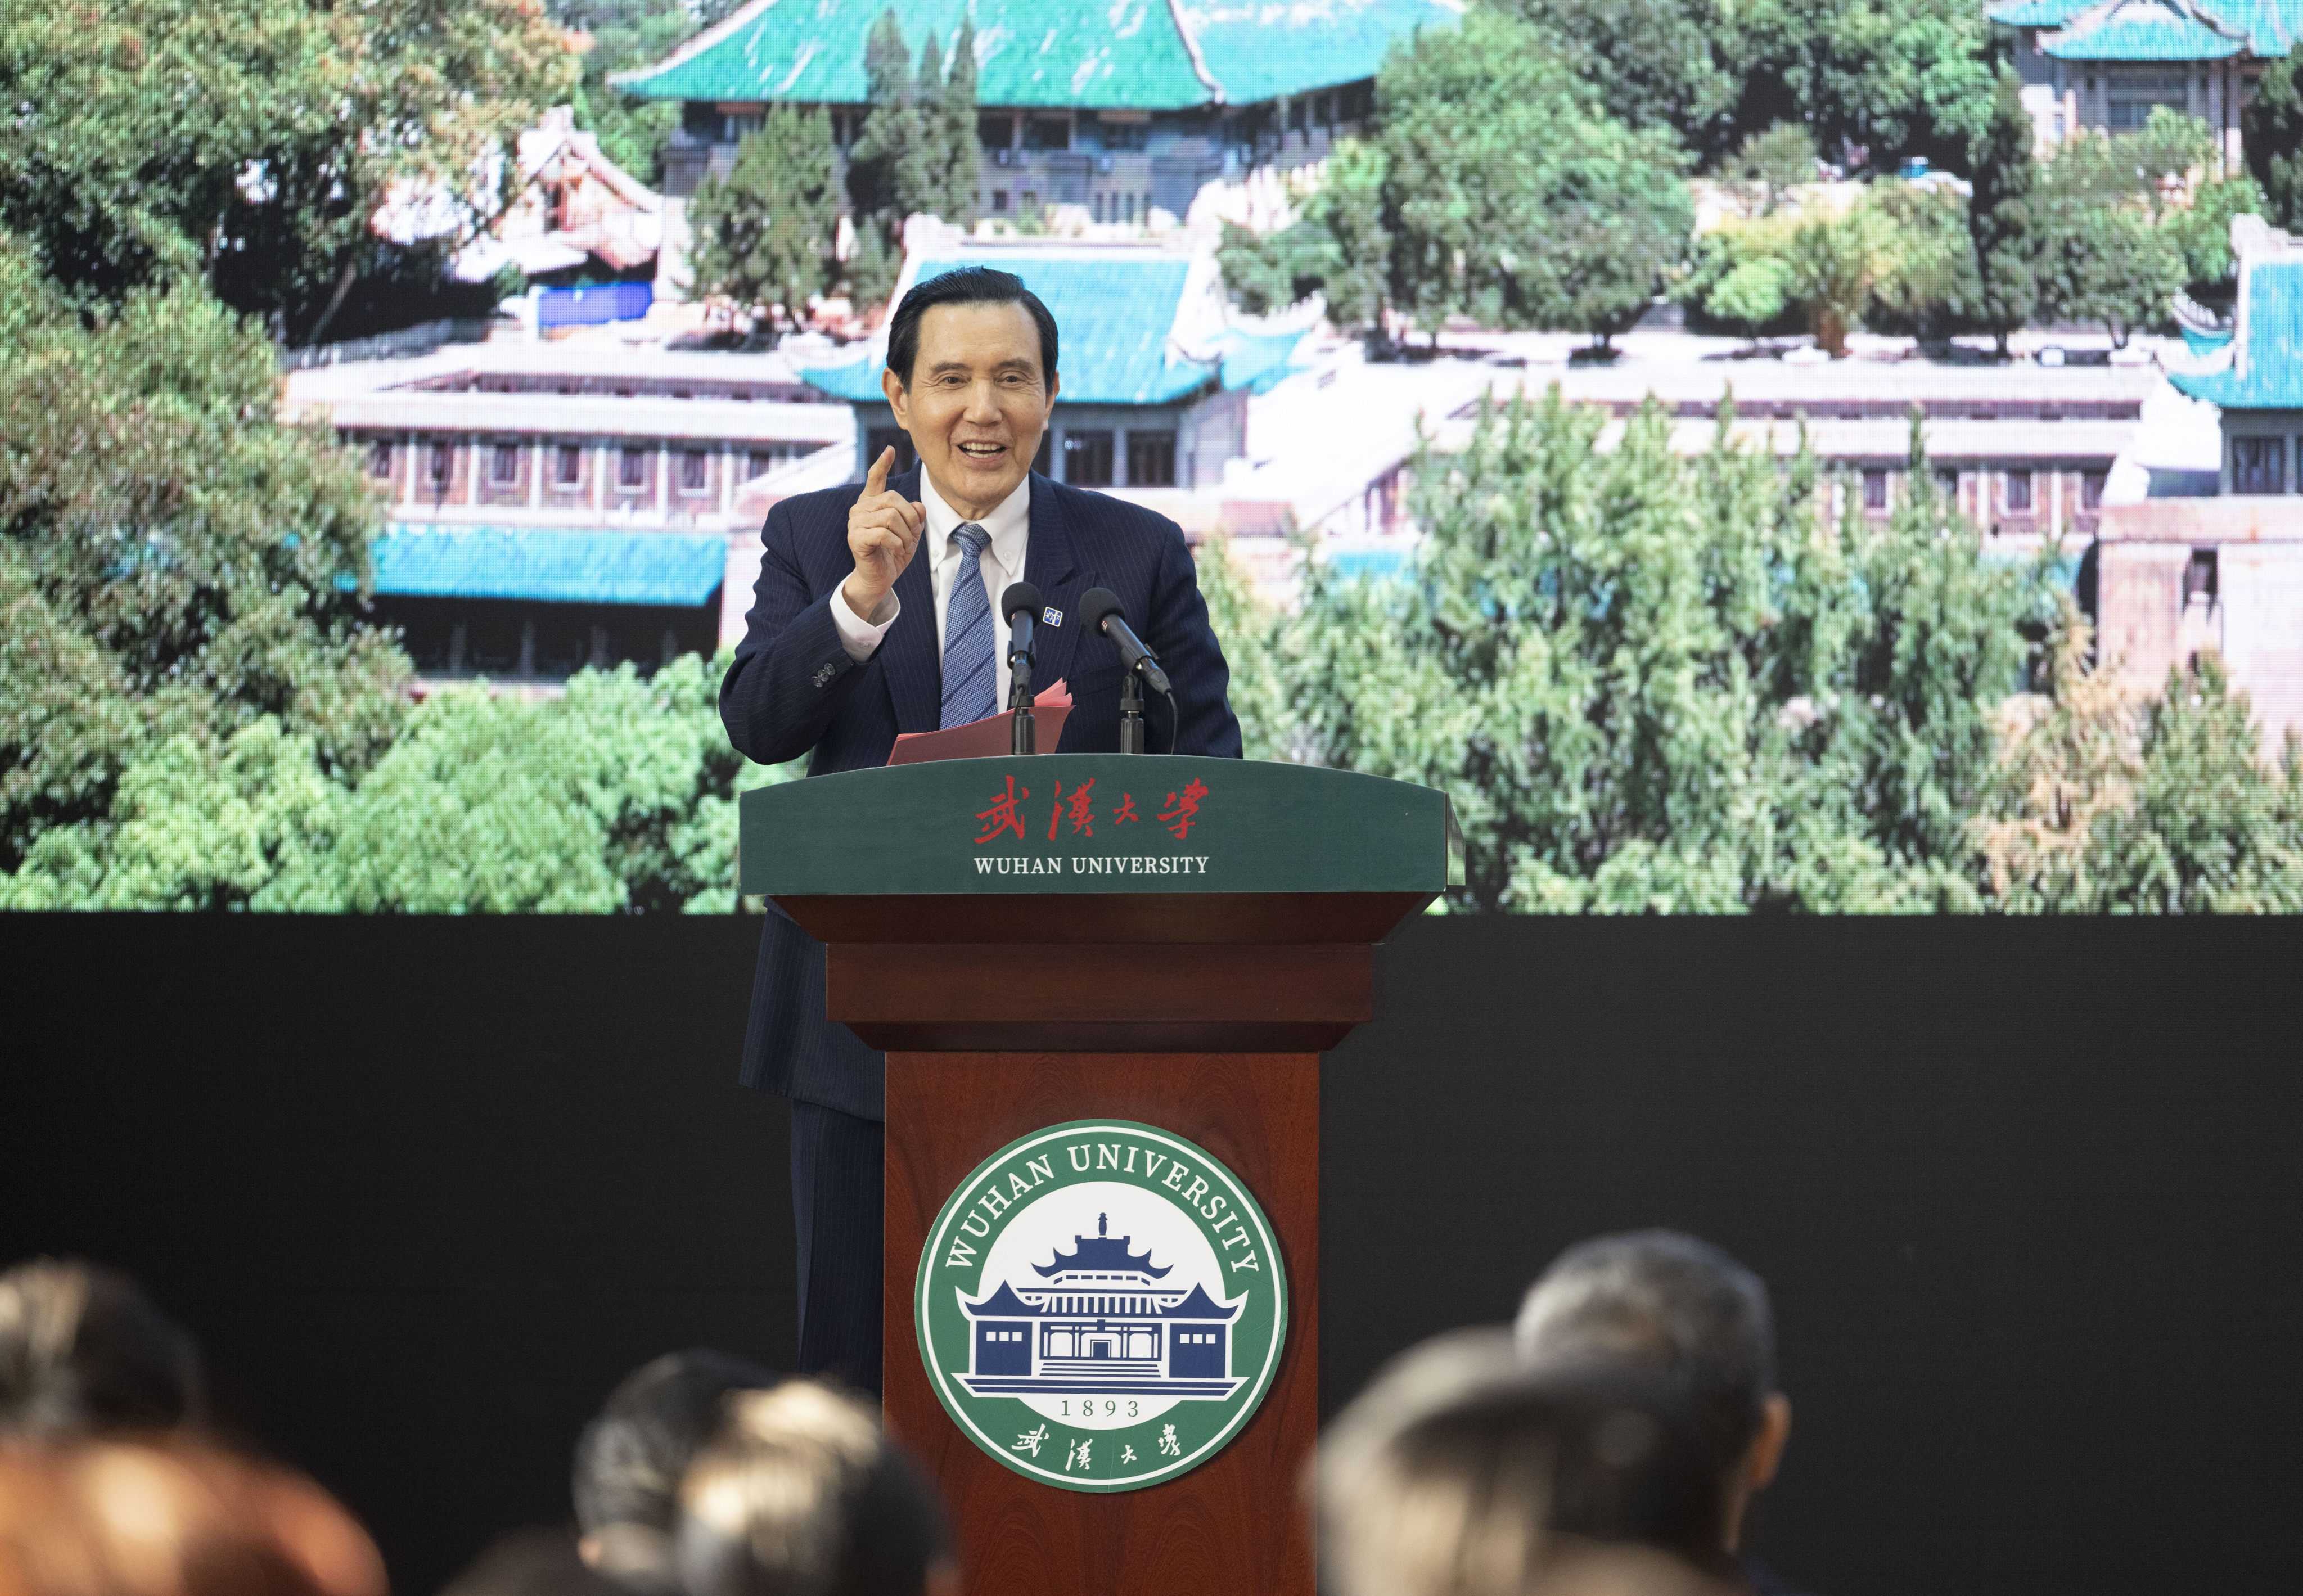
559, 567
1259, 362
2039, 13
1258, 50
1107, 54
1114, 316
2266, 369
2271, 27
2159, 35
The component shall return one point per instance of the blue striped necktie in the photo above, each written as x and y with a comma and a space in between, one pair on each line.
968, 634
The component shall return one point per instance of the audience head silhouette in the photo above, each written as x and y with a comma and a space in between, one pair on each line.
1667, 1307
170, 1517
1463, 1472
802, 1494
84, 1352
629, 1460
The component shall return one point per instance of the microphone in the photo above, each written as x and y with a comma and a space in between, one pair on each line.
1099, 608
1018, 605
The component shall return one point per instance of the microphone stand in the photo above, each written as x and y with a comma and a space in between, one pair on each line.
1131, 712
1022, 734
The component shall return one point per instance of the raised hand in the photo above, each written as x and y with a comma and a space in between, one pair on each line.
883, 530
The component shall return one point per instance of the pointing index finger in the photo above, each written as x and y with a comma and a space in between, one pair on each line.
876, 479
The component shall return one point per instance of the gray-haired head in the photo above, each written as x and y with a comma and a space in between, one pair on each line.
84, 1352
1665, 1304
1463, 1472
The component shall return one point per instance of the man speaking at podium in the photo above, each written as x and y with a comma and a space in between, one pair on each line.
875, 616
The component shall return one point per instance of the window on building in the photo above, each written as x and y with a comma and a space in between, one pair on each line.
2200, 578
998, 201
443, 463
891, 437
1124, 135
2259, 465
503, 464
570, 469
2131, 98
2091, 490
695, 470
1087, 459
1947, 485
1048, 132
379, 459
1151, 460
631, 468
1030, 202
2019, 492
1875, 490
995, 129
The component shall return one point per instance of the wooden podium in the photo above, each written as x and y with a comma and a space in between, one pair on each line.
1072, 960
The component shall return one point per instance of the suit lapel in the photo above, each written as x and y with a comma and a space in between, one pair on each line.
1052, 565
907, 654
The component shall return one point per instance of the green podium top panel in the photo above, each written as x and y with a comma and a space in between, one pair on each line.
1093, 823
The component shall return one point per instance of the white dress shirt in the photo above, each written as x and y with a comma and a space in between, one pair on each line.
1001, 562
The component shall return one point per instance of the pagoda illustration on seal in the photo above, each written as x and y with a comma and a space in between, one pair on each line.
1099, 1322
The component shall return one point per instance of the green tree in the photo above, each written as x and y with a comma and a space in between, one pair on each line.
959, 152
2113, 802
1339, 248
1653, 683
1895, 78
1654, 64
618, 797
623, 34
916, 153
2270, 133
173, 561
1930, 286
1999, 214
1766, 167
2104, 225
2108, 265
1836, 263
2201, 232
764, 234
1249, 633
2211, 829
1512, 198
248, 144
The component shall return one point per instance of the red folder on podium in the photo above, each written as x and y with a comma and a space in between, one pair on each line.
989, 737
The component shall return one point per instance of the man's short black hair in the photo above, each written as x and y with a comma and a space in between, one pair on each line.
83, 1351
968, 285
630, 1458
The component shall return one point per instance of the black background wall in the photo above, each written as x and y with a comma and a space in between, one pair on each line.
2027, 1193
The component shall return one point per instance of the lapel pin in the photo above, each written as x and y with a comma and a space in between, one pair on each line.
1052, 616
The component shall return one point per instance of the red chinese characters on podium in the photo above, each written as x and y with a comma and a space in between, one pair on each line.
1003, 816
1180, 811
1006, 813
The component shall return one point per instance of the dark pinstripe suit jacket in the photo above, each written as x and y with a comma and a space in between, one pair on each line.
792, 689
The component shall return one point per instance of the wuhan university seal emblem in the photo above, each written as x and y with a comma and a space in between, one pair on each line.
1101, 1306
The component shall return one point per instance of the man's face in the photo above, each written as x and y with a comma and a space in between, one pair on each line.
977, 401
